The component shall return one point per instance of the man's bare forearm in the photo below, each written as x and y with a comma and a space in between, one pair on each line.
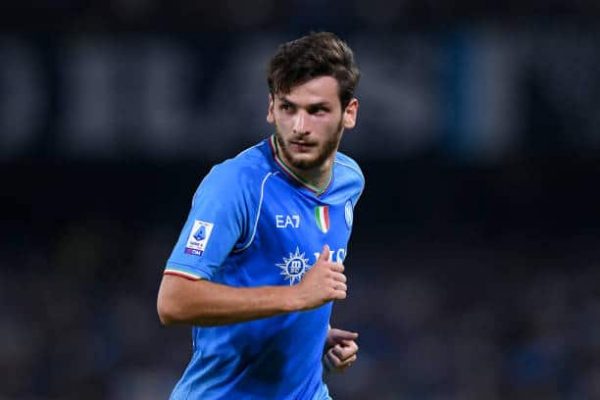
181, 301
201, 302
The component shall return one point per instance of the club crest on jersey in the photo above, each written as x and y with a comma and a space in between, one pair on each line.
322, 218
349, 214
198, 238
294, 267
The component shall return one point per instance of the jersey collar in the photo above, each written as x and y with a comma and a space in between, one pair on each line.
288, 171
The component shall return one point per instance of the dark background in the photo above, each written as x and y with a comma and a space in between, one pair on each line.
473, 265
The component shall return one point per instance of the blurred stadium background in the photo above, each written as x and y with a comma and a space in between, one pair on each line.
474, 263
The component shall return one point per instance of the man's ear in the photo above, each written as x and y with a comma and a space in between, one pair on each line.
270, 116
350, 114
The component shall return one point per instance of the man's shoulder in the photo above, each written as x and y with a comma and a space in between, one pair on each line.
247, 169
349, 167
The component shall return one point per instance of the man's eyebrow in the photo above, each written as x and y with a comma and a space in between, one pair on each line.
320, 104
284, 99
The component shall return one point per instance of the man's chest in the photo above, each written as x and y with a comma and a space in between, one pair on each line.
289, 219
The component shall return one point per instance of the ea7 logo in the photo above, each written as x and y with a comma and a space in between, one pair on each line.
287, 221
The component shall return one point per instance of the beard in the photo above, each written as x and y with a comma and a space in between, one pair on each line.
325, 151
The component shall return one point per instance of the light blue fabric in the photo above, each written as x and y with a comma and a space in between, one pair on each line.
253, 224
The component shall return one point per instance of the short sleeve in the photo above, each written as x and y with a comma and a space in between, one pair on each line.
218, 219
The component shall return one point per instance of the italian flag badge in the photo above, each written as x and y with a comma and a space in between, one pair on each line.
322, 218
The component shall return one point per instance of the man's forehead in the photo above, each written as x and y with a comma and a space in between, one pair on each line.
323, 87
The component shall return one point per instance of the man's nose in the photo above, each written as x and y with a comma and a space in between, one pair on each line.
300, 125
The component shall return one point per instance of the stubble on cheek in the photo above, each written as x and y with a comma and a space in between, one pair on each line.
320, 153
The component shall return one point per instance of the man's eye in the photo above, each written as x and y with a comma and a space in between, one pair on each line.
319, 110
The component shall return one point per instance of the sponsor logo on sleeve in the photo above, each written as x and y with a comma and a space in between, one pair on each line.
198, 238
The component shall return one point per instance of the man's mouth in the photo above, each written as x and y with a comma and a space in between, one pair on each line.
301, 146
302, 143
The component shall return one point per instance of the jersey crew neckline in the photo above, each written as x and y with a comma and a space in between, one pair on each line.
291, 174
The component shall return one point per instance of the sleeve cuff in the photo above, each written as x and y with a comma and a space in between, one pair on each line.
182, 274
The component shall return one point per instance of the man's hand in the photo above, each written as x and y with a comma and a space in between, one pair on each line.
340, 349
324, 282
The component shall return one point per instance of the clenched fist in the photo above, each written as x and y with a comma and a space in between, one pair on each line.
340, 350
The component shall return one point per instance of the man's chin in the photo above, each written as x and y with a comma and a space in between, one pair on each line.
303, 163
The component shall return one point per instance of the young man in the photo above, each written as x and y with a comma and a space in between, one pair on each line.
260, 258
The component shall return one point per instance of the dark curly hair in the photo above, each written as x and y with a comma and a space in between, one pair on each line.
311, 56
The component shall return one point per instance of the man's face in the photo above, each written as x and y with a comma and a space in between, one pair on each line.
309, 122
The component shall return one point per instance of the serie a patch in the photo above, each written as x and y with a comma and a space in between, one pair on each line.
198, 238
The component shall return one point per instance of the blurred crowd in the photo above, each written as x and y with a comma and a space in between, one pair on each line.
449, 304
474, 263
458, 322
233, 15
480, 94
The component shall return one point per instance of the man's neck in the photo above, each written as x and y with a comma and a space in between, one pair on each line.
317, 178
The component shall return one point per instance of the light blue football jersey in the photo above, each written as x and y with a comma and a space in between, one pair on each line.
253, 223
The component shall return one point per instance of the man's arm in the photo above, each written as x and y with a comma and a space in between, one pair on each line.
201, 302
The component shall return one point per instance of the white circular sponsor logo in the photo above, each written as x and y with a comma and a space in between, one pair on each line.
294, 267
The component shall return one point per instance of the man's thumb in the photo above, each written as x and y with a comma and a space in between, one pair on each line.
324, 256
